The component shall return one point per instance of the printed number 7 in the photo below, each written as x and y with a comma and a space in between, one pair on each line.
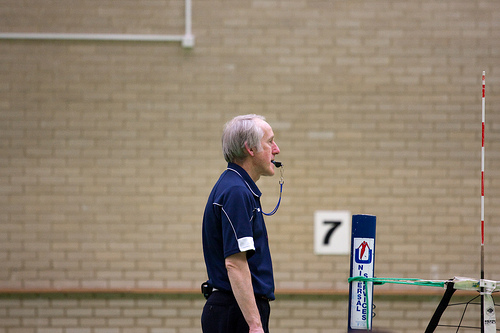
334, 226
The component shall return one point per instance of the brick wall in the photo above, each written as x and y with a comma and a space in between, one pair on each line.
76, 313
109, 149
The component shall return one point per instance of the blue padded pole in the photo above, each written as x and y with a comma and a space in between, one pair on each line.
362, 264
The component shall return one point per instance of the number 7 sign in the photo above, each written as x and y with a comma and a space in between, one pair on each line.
332, 230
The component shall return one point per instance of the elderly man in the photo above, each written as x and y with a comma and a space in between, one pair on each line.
235, 243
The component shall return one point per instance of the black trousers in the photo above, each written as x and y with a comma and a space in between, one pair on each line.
221, 314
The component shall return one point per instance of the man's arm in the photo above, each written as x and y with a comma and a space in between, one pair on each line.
241, 283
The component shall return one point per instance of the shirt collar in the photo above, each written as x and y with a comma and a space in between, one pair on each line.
246, 178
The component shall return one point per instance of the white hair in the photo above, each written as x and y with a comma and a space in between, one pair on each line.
237, 132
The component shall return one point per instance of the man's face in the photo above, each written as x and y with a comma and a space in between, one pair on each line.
263, 157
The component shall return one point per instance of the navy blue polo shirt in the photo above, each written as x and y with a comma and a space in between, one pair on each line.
233, 223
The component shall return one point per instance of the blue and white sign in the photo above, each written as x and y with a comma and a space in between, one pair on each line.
361, 292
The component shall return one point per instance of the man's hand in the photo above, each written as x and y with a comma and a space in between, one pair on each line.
241, 283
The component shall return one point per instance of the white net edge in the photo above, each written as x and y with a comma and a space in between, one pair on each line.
464, 283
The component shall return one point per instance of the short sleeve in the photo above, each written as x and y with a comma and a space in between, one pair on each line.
237, 216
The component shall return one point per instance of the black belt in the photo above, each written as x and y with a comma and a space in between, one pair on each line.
230, 292
207, 290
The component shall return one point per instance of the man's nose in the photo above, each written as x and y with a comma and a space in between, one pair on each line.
276, 149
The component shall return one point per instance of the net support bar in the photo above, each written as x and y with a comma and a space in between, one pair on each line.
436, 317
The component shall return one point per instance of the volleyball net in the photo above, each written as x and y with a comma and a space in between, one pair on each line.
362, 277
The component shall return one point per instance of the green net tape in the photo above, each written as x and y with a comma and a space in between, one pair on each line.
414, 282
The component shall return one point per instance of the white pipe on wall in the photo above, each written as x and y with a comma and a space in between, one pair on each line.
187, 39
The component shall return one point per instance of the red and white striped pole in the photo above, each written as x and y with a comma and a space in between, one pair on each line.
482, 163
481, 283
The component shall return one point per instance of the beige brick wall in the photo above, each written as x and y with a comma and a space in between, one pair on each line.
171, 314
109, 149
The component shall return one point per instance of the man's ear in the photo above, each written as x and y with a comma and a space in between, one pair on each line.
249, 150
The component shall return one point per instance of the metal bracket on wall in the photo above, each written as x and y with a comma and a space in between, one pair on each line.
187, 40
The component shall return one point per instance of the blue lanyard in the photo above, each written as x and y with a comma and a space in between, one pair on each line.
281, 182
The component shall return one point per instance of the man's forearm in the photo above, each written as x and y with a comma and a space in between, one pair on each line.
241, 284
